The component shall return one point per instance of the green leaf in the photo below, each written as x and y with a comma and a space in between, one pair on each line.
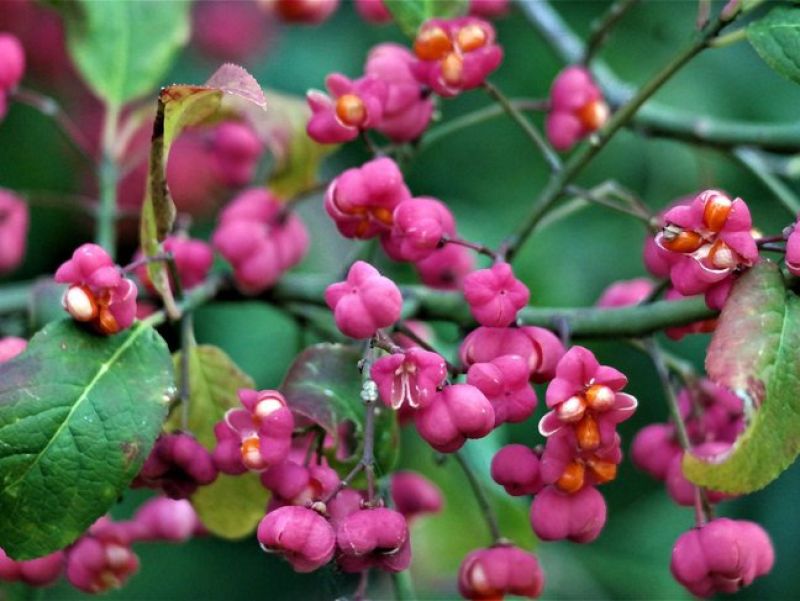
181, 106
297, 157
231, 506
755, 352
410, 14
776, 38
124, 49
324, 386
78, 415
214, 380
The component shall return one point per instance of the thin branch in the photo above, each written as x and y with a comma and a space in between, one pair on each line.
194, 298
402, 328
656, 118
477, 117
753, 160
185, 391
603, 27
734, 37
705, 511
560, 180
600, 199
108, 177
303, 294
403, 586
372, 148
478, 248
550, 156
51, 108
481, 498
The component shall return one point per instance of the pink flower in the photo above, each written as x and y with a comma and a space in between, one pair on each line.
373, 538
499, 571
495, 295
721, 557
714, 419
361, 201
656, 260
10, 347
261, 433
446, 268
570, 467
407, 110
579, 517
712, 413
13, 223
419, 224
365, 302
259, 239
346, 502
414, 495
505, 382
373, 11
355, 105
101, 559
409, 378
41, 571
456, 55
163, 519
12, 62
295, 484
711, 238
231, 32
586, 396
539, 347
301, 535
193, 258
577, 108
653, 449
237, 151
488, 9
626, 292
309, 12
98, 293
516, 468
178, 465
9, 569
459, 412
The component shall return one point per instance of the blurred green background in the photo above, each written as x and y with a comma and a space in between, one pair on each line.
489, 176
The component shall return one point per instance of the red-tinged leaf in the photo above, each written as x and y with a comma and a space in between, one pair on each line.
756, 352
323, 385
745, 342
181, 106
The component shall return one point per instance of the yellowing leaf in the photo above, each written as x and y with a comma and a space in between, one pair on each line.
231, 506
296, 156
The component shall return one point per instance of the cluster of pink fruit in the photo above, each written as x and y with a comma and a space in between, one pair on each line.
102, 558
449, 57
314, 517
311, 516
